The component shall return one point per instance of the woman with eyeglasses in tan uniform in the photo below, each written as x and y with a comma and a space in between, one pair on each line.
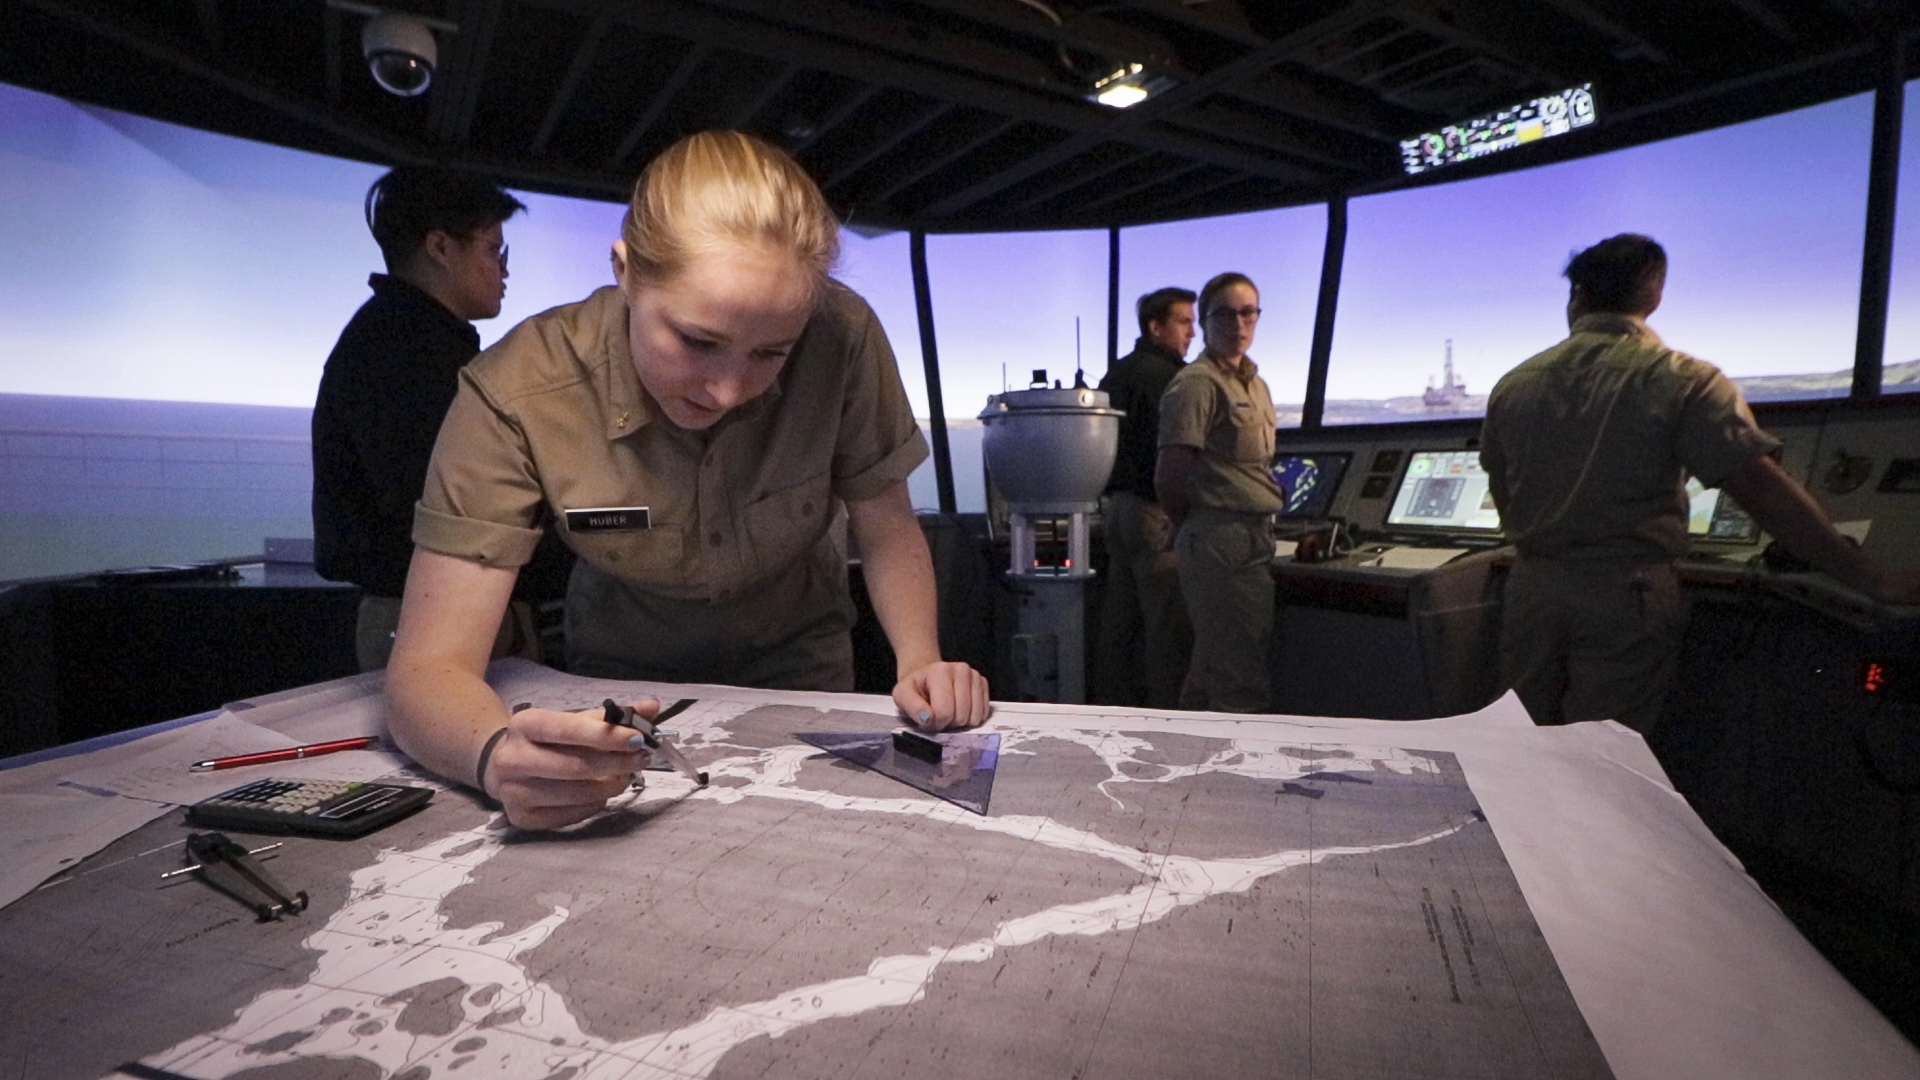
713, 409
1215, 480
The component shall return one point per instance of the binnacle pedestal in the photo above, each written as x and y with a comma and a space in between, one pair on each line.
1050, 453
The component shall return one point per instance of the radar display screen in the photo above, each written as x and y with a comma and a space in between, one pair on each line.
1515, 125
1309, 481
1445, 490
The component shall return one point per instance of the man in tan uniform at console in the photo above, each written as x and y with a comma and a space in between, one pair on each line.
1587, 448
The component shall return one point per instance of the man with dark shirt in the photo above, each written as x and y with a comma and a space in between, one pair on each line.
392, 375
1145, 636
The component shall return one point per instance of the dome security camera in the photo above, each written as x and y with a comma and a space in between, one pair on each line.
400, 52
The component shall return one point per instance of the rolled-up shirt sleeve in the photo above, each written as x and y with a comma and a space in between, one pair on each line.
1717, 432
880, 443
482, 496
1187, 413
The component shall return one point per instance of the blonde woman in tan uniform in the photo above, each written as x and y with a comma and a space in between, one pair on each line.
714, 408
1215, 481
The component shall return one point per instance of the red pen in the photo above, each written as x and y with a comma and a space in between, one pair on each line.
291, 753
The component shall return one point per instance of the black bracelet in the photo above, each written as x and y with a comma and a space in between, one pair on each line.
480, 771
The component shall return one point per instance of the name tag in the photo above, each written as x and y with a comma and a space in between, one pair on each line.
609, 519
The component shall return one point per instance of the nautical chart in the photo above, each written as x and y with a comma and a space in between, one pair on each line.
1137, 904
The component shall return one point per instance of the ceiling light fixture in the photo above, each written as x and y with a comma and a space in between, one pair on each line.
1127, 86
1123, 87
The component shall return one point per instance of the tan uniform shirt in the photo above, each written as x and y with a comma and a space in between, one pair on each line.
1587, 446
737, 559
1228, 416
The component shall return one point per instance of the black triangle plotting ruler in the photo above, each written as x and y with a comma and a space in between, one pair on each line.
963, 776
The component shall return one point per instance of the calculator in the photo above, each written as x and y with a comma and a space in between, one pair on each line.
334, 808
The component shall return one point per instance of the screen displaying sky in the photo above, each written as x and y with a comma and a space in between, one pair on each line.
1762, 223
1004, 304
144, 260
1903, 309
1279, 249
880, 268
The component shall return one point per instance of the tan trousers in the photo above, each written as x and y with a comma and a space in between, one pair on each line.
1591, 640
379, 617
1145, 639
1226, 575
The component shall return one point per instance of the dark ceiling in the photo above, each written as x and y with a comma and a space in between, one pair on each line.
958, 114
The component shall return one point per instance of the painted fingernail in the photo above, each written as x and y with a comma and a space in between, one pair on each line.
923, 716
637, 742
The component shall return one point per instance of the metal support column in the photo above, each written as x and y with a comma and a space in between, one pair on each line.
1315, 407
930, 359
1883, 183
1113, 296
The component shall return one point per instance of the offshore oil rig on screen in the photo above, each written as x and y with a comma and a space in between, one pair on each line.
1451, 393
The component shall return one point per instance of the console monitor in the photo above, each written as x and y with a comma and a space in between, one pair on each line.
1444, 490
1713, 515
1309, 481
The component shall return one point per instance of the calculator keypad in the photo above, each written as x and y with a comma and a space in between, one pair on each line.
287, 796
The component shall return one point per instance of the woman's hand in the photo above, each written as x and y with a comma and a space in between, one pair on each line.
942, 695
555, 768
935, 694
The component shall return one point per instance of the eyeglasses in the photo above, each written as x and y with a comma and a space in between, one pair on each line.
1245, 314
499, 256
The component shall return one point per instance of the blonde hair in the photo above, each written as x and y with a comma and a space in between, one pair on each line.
720, 189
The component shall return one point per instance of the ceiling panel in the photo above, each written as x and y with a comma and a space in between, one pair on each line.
957, 114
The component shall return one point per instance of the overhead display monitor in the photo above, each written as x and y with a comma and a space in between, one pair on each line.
1309, 481
1515, 125
1444, 490
1713, 515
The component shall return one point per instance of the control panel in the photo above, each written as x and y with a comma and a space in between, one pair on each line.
1419, 484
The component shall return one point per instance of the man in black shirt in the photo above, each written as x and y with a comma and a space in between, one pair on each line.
1145, 637
392, 375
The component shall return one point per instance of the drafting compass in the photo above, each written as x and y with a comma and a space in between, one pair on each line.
232, 869
624, 716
